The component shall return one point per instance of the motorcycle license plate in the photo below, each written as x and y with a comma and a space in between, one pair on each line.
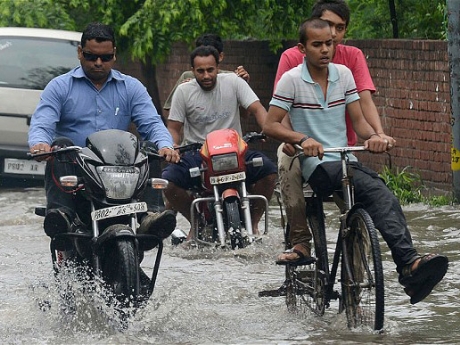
119, 210
228, 178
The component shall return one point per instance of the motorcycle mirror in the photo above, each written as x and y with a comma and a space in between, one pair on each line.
68, 181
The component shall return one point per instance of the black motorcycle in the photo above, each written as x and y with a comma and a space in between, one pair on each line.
112, 173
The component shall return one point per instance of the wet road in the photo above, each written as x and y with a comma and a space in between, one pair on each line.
211, 296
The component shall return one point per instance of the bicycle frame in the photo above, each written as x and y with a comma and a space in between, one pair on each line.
348, 198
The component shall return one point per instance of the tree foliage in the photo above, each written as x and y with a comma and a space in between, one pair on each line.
147, 29
36, 13
417, 19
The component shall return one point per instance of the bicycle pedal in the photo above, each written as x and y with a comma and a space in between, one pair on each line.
300, 262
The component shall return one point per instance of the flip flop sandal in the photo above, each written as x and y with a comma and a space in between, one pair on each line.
430, 266
419, 292
299, 261
420, 282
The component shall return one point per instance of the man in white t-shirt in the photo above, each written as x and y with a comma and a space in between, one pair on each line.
212, 101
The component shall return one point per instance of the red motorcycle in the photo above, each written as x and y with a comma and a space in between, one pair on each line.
220, 210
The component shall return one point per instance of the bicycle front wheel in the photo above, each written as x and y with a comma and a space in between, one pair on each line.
362, 273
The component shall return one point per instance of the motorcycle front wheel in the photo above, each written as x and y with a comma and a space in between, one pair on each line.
232, 212
120, 270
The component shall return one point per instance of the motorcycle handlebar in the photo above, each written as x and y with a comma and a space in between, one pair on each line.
248, 137
189, 147
54, 151
254, 136
153, 152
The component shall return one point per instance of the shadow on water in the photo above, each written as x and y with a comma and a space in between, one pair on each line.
209, 296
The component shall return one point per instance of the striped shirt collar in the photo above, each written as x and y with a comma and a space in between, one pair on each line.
333, 74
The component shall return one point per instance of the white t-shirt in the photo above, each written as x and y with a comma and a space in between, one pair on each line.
203, 111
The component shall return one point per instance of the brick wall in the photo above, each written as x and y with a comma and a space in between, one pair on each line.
413, 97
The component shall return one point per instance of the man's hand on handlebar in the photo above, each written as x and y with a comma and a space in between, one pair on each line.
40, 148
169, 154
376, 144
312, 148
391, 142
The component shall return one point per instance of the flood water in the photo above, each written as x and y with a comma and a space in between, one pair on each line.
211, 296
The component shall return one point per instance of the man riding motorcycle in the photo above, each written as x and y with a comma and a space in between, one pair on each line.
90, 98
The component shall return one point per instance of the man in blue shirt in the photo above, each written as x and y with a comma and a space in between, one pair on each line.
87, 99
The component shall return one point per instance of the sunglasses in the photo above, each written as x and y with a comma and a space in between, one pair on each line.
94, 57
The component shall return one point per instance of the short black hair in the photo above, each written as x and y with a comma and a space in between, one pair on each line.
339, 7
312, 22
210, 40
98, 31
204, 51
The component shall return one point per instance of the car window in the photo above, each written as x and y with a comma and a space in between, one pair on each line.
30, 63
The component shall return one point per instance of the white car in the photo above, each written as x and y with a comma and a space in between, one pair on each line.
29, 59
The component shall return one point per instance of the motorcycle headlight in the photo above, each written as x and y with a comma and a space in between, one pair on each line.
119, 182
224, 162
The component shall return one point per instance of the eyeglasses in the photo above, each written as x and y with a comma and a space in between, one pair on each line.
94, 57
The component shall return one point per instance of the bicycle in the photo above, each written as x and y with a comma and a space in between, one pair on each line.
310, 284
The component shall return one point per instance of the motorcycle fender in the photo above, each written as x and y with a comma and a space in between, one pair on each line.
230, 193
112, 232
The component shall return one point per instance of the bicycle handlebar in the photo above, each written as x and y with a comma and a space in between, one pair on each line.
344, 149
337, 149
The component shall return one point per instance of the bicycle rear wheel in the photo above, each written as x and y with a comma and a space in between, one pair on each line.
362, 273
320, 269
299, 285
291, 284
306, 285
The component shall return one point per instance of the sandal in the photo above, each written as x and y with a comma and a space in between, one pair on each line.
420, 282
297, 255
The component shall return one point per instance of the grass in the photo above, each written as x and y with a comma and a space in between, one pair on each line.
408, 187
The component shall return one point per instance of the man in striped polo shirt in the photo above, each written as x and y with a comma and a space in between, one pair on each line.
316, 95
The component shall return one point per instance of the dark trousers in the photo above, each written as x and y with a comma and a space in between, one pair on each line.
377, 200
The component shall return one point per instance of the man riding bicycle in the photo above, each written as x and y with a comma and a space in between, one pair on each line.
316, 95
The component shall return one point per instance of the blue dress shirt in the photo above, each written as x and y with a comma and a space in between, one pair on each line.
71, 106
